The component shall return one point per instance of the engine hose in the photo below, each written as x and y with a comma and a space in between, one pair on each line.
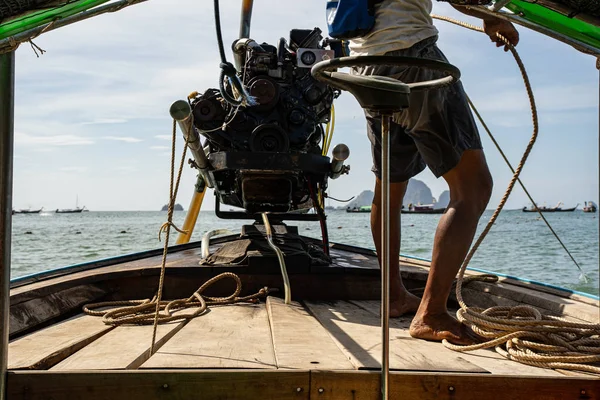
228, 70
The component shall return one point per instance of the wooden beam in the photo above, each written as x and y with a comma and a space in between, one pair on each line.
27, 315
278, 384
365, 385
150, 385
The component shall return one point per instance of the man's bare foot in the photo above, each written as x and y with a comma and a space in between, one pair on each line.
402, 301
442, 326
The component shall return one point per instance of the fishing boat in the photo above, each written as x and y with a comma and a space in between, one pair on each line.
28, 211
325, 344
305, 318
590, 207
556, 208
75, 210
362, 209
422, 209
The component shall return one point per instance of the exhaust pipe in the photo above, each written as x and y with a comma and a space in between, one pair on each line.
239, 46
182, 113
340, 153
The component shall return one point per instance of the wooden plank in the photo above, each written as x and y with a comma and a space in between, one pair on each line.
556, 304
125, 347
26, 315
358, 333
365, 385
487, 359
151, 385
232, 336
45, 348
299, 340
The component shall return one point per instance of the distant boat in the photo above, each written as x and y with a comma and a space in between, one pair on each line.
75, 210
27, 211
70, 210
363, 209
556, 208
423, 209
590, 207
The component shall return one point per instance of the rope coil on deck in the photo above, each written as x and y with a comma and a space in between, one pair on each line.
522, 333
142, 312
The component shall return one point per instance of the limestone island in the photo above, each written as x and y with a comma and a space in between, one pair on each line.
178, 207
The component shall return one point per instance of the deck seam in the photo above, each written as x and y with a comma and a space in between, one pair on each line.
271, 330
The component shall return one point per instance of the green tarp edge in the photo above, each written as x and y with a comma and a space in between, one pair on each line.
571, 27
30, 21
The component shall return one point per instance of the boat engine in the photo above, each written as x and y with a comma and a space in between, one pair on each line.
267, 155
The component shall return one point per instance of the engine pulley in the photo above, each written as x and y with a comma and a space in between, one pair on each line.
265, 91
270, 138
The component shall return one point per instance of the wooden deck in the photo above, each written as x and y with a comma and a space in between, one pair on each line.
340, 335
326, 346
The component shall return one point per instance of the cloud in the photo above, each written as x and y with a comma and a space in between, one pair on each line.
159, 147
105, 121
24, 139
73, 169
123, 139
126, 168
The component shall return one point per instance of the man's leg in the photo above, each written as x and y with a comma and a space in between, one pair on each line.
401, 301
470, 185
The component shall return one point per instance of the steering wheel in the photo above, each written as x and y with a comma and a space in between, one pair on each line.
382, 93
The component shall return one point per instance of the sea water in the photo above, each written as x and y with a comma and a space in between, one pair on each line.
519, 244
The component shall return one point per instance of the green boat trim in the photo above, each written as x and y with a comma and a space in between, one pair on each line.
576, 27
43, 17
571, 27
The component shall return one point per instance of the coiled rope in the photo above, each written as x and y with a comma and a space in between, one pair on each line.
142, 312
522, 333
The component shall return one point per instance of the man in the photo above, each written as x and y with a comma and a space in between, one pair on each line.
437, 130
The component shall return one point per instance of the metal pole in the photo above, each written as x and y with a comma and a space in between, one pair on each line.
7, 105
182, 113
246, 18
193, 210
385, 256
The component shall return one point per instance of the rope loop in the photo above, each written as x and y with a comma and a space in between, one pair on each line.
228, 69
166, 226
142, 312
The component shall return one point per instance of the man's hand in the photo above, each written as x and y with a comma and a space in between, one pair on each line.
495, 26
492, 25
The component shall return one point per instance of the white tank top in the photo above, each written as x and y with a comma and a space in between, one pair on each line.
399, 25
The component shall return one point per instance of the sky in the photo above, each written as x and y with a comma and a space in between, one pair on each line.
92, 123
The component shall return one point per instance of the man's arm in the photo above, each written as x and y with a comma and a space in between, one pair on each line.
492, 26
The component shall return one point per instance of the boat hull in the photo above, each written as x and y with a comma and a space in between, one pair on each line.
434, 211
547, 210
